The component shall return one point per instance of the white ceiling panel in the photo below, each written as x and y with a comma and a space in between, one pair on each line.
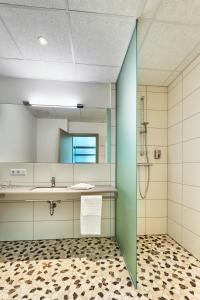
166, 45
7, 45
96, 73
99, 39
37, 69
60, 4
57, 71
119, 7
152, 77
150, 8
142, 29
27, 24
184, 11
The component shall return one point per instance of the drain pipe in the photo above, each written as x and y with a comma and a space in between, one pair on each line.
52, 206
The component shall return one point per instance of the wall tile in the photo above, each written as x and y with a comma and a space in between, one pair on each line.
175, 153
175, 173
175, 95
191, 128
191, 81
156, 225
157, 101
191, 197
191, 174
175, 192
191, 150
13, 231
174, 230
191, 242
158, 172
157, 119
14, 212
53, 229
175, 134
175, 114
191, 104
191, 220
174, 211
62, 211
5, 173
156, 208
157, 137
141, 228
141, 208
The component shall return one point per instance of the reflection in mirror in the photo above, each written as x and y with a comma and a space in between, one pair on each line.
54, 134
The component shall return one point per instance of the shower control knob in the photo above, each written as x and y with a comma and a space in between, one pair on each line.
157, 154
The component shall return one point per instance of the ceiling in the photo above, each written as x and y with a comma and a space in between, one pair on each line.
96, 115
87, 39
168, 39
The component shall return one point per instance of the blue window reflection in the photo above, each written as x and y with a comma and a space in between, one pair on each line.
84, 149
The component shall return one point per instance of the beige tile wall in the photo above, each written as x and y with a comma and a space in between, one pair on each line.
152, 211
184, 159
20, 220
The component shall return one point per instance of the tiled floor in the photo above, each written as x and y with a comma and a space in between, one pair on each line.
92, 268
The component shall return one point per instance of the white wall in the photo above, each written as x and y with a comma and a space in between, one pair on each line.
48, 139
152, 211
97, 128
15, 90
17, 134
184, 159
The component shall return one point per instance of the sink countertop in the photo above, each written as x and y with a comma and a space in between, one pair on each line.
48, 190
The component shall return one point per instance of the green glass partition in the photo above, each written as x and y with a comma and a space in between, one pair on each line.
126, 208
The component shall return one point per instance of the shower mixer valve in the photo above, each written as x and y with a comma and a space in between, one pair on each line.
157, 154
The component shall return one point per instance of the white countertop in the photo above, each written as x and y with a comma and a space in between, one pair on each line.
57, 190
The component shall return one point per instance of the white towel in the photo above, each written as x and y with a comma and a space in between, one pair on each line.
91, 207
82, 186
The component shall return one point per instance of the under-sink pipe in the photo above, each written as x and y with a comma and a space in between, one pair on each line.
52, 206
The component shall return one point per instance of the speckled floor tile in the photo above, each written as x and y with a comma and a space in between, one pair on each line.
92, 268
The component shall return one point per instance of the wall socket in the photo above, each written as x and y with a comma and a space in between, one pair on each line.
18, 172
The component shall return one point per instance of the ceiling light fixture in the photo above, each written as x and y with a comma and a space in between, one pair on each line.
42, 41
27, 103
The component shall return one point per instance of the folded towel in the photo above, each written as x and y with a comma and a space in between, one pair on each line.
82, 186
91, 207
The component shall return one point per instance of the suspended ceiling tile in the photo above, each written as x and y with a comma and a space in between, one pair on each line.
184, 11
99, 39
120, 7
61, 4
27, 24
166, 45
150, 8
7, 45
96, 73
152, 77
142, 29
37, 70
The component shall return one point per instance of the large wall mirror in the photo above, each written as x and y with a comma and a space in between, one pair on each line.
54, 134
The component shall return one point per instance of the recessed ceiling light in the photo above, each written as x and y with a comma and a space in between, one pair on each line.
42, 41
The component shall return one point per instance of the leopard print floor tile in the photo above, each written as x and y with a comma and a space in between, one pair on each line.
92, 268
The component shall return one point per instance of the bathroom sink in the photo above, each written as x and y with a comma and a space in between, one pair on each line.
49, 189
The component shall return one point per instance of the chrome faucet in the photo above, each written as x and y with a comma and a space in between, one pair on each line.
53, 182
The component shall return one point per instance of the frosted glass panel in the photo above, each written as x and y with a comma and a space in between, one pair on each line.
126, 158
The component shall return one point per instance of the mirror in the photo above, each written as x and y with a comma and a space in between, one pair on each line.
54, 134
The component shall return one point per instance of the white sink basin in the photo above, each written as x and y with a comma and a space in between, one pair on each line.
49, 189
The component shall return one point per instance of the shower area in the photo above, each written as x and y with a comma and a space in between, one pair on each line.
151, 160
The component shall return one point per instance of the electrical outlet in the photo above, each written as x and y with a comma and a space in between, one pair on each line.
18, 172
